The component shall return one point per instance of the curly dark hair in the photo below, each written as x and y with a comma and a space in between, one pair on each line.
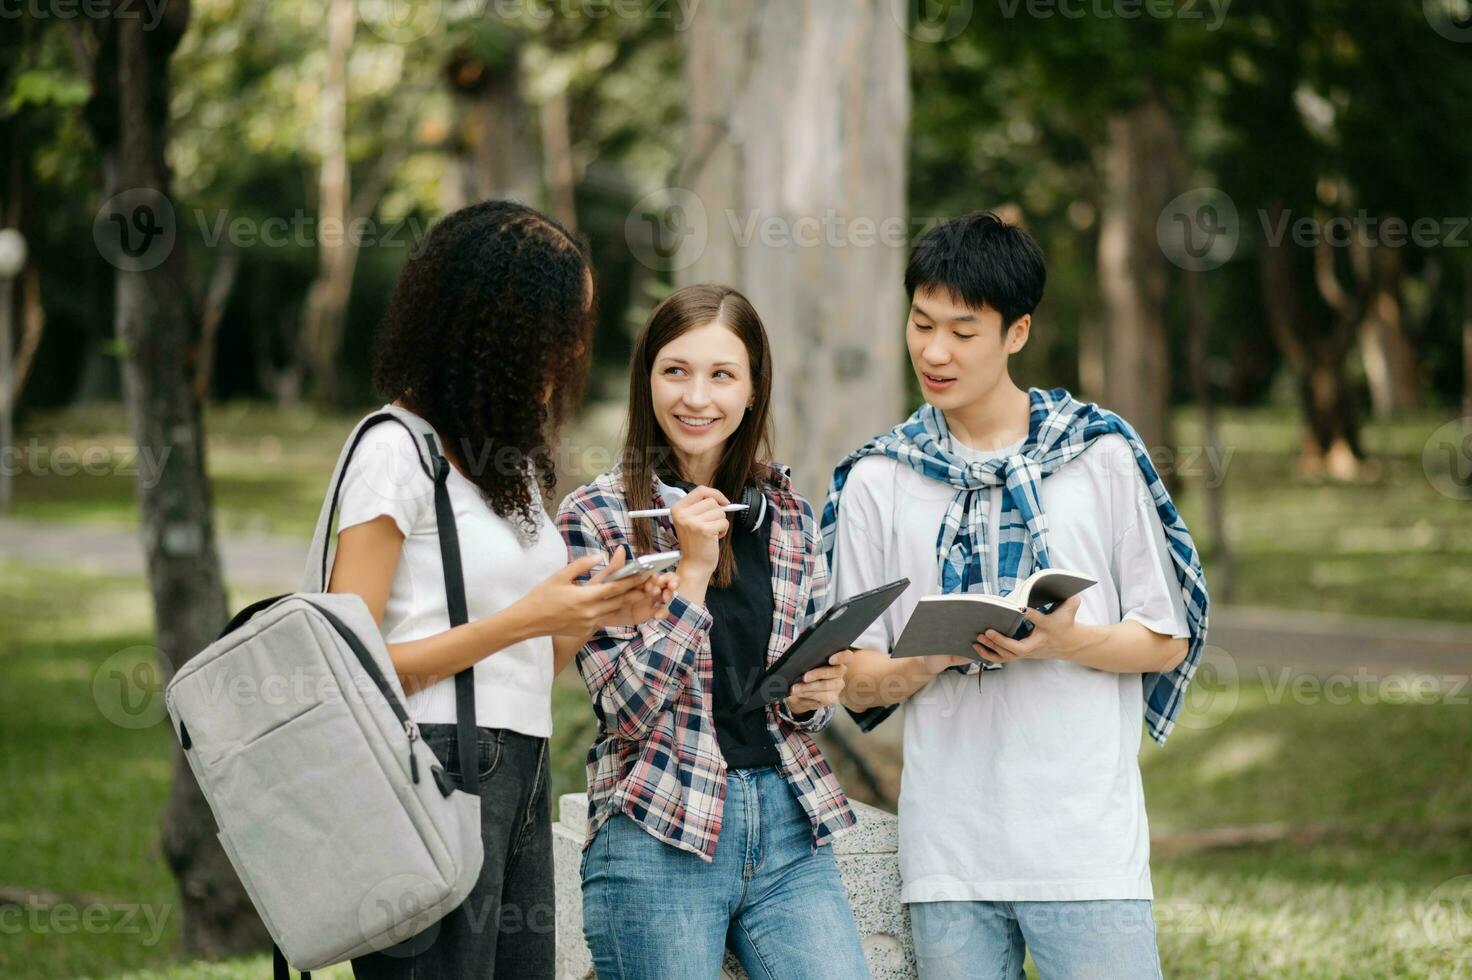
487, 337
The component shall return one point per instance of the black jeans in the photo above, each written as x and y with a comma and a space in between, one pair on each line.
506, 925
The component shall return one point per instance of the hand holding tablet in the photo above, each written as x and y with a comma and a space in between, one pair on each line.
835, 631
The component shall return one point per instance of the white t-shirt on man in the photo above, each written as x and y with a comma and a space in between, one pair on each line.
1022, 784
513, 686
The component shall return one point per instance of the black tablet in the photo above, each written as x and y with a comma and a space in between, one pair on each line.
838, 628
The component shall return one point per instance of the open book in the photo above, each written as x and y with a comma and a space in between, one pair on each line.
950, 623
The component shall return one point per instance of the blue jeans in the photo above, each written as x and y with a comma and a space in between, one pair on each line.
652, 911
1108, 940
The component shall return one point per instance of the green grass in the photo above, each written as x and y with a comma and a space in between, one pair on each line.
268, 468
1323, 912
84, 794
1391, 779
1390, 545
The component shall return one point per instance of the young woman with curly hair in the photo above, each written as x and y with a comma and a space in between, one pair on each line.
485, 339
709, 828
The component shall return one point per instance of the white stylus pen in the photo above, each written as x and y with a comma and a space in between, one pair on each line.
665, 511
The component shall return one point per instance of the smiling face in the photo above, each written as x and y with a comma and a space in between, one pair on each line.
959, 354
700, 387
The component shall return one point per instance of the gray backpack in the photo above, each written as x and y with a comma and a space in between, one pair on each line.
346, 832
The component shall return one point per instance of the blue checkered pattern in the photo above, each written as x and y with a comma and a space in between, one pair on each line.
1060, 427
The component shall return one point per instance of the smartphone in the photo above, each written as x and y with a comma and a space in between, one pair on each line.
659, 562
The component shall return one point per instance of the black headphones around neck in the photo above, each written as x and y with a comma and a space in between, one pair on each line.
746, 521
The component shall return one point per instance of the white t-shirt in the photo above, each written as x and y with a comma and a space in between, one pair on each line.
513, 686
1022, 784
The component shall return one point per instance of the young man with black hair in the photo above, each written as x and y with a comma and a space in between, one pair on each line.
1022, 817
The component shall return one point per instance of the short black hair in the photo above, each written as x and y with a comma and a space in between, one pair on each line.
980, 261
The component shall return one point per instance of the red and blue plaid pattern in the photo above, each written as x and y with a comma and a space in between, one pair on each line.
656, 758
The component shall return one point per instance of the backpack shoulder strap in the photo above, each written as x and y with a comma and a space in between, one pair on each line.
458, 614
437, 468
319, 555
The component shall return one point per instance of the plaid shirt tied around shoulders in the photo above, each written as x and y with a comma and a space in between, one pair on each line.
1059, 428
656, 758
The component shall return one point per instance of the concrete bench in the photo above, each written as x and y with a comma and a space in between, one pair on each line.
868, 861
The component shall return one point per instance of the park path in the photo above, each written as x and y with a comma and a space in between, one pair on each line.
1245, 638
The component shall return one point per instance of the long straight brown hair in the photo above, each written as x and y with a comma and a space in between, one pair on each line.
745, 459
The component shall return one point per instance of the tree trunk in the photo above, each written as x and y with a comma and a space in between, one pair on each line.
1390, 361
18, 214
560, 166
33, 326
216, 298
327, 298
799, 114
1213, 485
1139, 177
1331, 443
1091, 382
155, 328
497, 156
1467, 342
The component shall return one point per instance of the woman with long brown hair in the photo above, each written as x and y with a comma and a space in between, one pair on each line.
709, 828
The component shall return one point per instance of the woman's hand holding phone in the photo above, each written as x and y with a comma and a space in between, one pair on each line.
559, 606
651, 599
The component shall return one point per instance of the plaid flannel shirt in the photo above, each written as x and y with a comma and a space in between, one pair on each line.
656, 758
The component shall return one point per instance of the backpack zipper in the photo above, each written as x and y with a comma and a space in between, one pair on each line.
412, 730
370, 667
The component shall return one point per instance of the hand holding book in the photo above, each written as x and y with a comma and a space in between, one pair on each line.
951, 624
1044, 636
